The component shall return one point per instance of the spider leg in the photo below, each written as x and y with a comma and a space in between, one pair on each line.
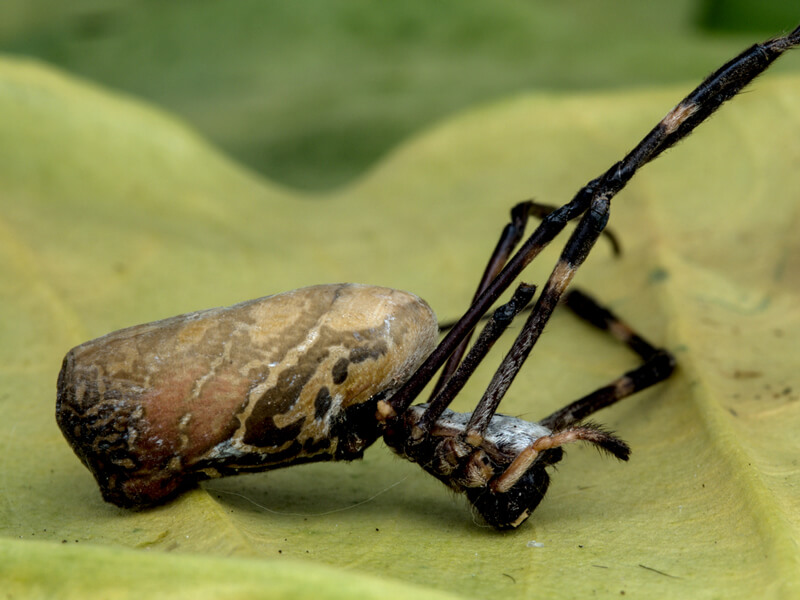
658, 364
499, 321
573, 256
540, 211
456, 372
585, 433
536, 209
721, 85
509, 239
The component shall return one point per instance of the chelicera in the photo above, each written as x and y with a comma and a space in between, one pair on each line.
321, 373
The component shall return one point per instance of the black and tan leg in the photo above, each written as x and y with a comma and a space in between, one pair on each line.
592, 204
498, 323
590, 433
509, 239
565, 422
573, 256
456, 371
658, 364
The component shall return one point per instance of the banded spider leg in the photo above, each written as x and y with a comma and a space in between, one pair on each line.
471, 452
494, 467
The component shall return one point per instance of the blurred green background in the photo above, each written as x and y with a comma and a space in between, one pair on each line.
312, 93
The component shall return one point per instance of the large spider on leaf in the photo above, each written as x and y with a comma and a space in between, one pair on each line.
321, 373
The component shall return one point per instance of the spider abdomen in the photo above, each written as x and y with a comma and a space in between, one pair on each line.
263, 384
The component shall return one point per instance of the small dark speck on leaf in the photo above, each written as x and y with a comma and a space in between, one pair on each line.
658, 275
746, 374
510, 577
733, 412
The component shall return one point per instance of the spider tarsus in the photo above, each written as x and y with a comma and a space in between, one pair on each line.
588, 432
603, 439
719, 87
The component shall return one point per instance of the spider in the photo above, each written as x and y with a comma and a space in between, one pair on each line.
321, 373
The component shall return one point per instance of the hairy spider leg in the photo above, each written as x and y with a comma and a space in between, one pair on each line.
585, 433
498, 324
721, 85
541, 210
718, 87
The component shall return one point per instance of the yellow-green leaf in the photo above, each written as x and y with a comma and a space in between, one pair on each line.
113, 214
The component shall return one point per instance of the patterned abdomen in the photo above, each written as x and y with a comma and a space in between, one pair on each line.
263, 384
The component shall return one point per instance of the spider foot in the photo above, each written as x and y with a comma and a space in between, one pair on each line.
588, 432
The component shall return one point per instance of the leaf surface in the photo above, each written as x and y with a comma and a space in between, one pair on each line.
114, 214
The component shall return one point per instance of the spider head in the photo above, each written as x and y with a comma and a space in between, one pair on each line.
446, 454
503, 473
508, 510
